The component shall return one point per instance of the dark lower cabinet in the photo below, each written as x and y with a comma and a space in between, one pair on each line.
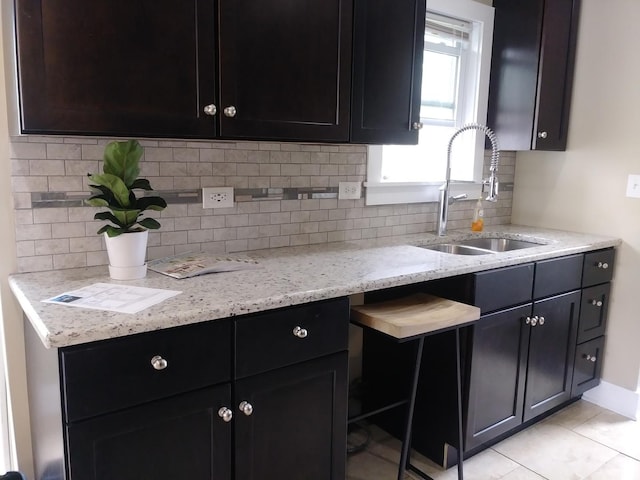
588, 365
551, 350
295, 426
497, 375
521, 365
257, 397
181, 437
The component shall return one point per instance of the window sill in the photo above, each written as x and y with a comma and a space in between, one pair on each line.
415, 192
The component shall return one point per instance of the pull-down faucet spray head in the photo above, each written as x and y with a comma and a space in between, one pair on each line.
492, 181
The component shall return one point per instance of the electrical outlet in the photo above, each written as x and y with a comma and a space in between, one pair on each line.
217, 197
633, 186
349, 190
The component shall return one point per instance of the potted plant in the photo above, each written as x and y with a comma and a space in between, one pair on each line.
127, 233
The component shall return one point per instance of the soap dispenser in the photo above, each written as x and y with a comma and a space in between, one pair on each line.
478, 217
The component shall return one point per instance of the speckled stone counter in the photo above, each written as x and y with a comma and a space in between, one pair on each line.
287, 276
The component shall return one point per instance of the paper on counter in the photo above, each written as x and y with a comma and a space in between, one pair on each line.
114, 298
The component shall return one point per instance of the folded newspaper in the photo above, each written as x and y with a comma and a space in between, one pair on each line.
191, 264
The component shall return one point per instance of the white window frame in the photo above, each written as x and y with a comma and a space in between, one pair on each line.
381, 193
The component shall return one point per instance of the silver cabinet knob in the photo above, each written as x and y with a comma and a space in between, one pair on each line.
541, 320
596, 303
159, 363
300, 332
210, 109
591, 358
230, 111
225, 414
603, 265
534, 321
417, 125
527, 320
246, 408
542, 135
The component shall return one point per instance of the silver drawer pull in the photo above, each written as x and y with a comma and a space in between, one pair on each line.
230, 111
527, 320
603, 265
589, 357
246, 408
534, 321
159, 363
596, 303
300, 332
225, 414
541, 321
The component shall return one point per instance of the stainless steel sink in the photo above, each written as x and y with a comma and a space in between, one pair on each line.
456, 249
480, 246
497, 244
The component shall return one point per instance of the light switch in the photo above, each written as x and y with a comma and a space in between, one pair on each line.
633, 186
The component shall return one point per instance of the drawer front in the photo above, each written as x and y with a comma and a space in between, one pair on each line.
558, 275
503, 287
271, 340
593, 312
588, 365
598, 267
114, 374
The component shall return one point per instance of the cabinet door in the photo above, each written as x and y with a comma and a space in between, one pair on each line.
387, 72
588, 366
285, 69
116, 67
555, 75
532, 72
296, 425
497, 378
551, 353
183, 437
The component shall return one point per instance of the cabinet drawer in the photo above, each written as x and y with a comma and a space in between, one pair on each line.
271, 340
503, 287
113, 374
588, 365
557, 275
598, 267
593, 312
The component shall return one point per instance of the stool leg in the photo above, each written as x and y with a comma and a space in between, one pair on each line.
406, 442
459, 398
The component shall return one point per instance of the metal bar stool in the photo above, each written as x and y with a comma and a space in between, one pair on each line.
12, 476
413, 318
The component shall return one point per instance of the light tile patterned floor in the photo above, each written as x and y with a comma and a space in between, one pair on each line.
582, 441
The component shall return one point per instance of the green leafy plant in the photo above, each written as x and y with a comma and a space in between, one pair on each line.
114, 189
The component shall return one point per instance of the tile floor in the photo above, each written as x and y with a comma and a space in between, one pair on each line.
582, 441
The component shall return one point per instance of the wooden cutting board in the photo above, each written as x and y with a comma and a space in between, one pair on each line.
413, 315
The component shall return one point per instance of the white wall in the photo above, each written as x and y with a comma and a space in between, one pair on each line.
583, 189
12, 333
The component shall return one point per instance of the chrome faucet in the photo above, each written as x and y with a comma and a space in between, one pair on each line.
492, 181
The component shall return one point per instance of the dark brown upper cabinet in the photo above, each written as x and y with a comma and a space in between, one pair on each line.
285, 69
534, 46
116, 67
276, 69
387, 71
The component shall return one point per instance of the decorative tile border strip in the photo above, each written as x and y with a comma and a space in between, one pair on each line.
67, 200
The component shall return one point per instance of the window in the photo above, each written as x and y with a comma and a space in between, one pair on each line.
455, 86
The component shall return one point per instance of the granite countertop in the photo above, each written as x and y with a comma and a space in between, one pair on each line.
287, 276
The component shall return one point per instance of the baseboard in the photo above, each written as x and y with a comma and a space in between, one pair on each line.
615, 398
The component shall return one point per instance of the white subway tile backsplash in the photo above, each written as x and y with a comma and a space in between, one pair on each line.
50, 237
64, 151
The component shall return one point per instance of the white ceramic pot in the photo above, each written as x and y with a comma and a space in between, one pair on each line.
127, 255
